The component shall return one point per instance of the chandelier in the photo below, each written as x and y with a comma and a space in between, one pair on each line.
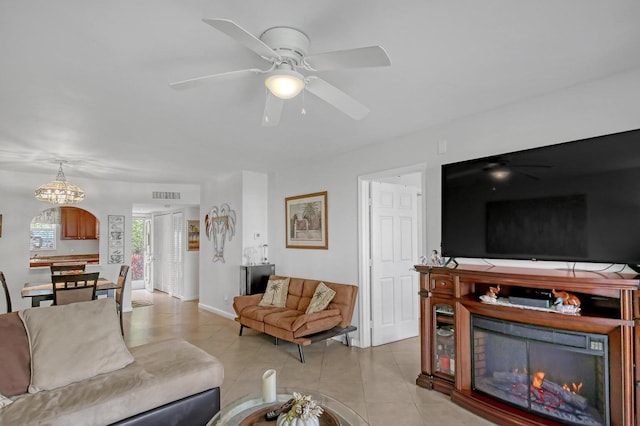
59, 191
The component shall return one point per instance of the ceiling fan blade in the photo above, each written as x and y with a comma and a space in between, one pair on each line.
529, 175
538, 166
243, 37
188, 84
272, 110
463, 173
372, 56
336, 97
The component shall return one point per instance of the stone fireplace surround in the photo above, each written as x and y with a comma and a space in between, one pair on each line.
610, 307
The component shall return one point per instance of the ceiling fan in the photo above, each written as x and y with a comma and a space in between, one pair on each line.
286, 49
499, 169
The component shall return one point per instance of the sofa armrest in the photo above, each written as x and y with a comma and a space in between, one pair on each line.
306, 318
196, 409
241, 302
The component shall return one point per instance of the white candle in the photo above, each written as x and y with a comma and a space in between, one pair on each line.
269, 385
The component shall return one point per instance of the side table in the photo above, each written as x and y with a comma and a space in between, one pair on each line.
241, 411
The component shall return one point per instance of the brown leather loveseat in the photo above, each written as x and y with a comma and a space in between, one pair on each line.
291, 322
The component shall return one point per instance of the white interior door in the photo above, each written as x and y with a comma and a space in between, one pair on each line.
168, 248
162, 252
148, 255
394, 250
177, 249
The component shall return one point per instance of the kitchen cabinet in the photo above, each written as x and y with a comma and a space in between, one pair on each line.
78, 224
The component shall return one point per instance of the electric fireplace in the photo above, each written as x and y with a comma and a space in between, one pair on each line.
522, 365
562, 375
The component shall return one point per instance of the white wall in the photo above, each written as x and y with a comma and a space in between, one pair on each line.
597, 108
335, 264
104, 198
66, 247
246, 193
600, 107
219, 282
254, 212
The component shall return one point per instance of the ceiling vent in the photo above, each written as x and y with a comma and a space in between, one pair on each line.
161, 195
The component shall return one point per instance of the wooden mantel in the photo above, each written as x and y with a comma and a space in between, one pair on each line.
459, 288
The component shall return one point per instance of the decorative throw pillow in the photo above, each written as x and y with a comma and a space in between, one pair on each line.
74, 342
15, 370
276, 293
321, 298
4, 401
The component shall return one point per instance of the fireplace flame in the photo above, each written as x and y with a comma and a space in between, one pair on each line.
538, 378
543, 393
574, 389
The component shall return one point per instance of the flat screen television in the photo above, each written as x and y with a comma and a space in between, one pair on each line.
575, 201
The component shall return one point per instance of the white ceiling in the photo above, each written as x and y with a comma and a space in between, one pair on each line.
87, 81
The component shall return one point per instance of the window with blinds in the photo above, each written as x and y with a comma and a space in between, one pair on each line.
43, 236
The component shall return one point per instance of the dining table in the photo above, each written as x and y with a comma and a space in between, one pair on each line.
41, 291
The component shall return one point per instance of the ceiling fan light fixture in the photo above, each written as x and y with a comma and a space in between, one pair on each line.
59, 191
285, 84
500, 173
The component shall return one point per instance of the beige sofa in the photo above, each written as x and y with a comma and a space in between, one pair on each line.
68, 365
290, 322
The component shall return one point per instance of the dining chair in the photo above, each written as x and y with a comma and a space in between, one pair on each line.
66, 267
122, 279
6, 291
74, 288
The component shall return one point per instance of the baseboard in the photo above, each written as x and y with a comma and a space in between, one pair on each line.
189, 298
216, 311
356, 343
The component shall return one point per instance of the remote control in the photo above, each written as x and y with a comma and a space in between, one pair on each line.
273, 414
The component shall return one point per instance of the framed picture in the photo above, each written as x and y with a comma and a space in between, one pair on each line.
193, 235
306, 217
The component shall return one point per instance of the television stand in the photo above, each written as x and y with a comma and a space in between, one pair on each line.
636, 268
453, 298
453, 260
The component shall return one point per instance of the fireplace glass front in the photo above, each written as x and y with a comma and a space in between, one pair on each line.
557, 374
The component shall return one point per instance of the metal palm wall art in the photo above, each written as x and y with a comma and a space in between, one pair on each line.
220, 225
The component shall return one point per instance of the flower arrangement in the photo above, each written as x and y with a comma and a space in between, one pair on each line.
304, 408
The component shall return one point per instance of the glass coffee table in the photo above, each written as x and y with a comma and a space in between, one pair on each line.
249, 410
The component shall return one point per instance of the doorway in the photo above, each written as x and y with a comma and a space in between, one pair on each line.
168, 263
140, 256
391, 227
167, 247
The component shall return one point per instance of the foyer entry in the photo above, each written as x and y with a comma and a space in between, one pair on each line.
167, 259
166, 262
140, 241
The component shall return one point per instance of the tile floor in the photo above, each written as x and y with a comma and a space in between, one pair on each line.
378, 383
